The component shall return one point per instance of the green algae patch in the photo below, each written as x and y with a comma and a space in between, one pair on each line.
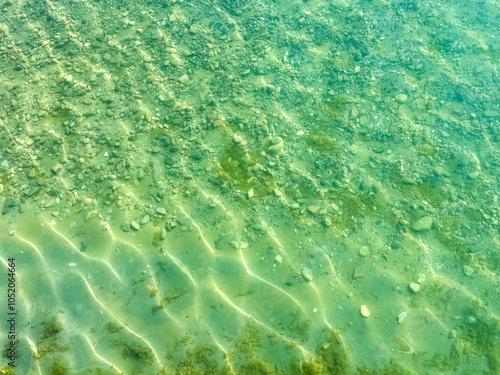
170, 297
51, 329
392, 368
427, 149
473, 214
49, 341
481, 339
234, 164
341, 62
58, 117
454, 245
353, 206
432, 192
249, 340
114, 327
240, 124
331, 358
240, 170
49, 344
7, 370
258, 367
59, 368
302, 189
324, 143
137, 353
333, 108
200, 360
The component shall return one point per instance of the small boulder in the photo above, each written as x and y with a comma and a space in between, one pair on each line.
422, 224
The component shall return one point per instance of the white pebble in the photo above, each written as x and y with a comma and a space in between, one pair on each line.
402, 317
364, 311
307, 274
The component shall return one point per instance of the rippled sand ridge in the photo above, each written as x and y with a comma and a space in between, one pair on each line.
251, 187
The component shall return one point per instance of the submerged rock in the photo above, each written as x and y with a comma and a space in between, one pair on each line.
8, 206
307, 275
365, 313
422, 224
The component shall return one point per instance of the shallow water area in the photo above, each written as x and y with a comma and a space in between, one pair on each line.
250, 187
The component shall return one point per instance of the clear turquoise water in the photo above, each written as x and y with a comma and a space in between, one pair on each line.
240, 187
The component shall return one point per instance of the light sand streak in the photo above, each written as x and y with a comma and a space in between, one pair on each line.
270, 284
142, 338
101, 358
86, 256
198, 229
305, 353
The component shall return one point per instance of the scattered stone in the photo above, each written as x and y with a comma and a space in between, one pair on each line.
218, 123
421, 278
8, 206
422, 224
238, 138
402, 317
452, 334
401, 98
91, 214
468, 270
278, 258
313, 209
414, 287
170, 160
84, 245
365, 313
184, 79
354, 112
276, 140
161, 211
275, 149
175, 61
354, 149
134, 225
250, 193
277, 192
145, 219
364, 251
163, 234
358, 273
58, 168
491, 113
307, 274
32, 191
474, 175
396, 245
327, 222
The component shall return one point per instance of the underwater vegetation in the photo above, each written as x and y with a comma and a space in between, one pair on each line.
228, 186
